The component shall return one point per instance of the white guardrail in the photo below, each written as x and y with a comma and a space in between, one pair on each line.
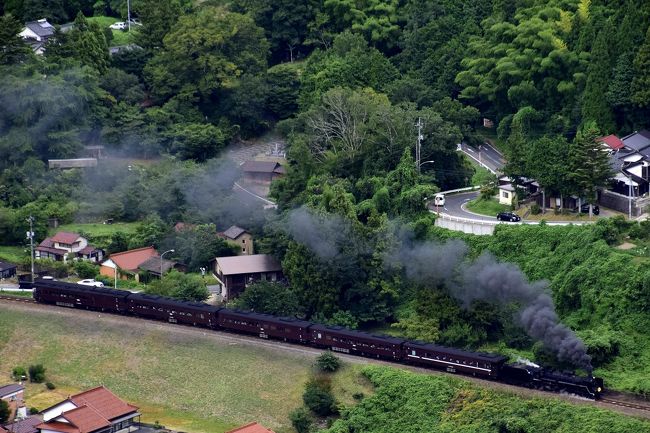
495, 222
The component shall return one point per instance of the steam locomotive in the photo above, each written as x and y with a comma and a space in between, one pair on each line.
338, 339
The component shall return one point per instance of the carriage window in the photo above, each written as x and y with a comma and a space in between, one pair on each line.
412, 352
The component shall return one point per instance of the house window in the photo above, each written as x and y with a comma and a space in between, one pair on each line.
505, 194
243, 241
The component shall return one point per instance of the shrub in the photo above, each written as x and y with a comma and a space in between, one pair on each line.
19, 373
37, 373
301, 420
318, 398
358, 396
50, 386
85, 269
328, 362
535, 209
33, 411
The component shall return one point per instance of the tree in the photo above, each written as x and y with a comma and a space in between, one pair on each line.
197, 246
590, 164
36, 373
283, 83
198, 141
641, 82
205, 52
150, 231
595, 106
13, 48
123, 86
301, 420
85, 269
19, 373
271, 298
4, 411
158, 18
85, 42
177, 285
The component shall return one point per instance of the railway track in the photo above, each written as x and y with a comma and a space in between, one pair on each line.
619, 400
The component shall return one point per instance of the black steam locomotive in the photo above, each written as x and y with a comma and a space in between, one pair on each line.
486, 365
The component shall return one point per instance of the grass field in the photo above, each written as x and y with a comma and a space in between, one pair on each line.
13, 254
120, 37
97, 229
187, 383
486, 207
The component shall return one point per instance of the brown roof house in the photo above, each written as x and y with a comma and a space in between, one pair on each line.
263, 172
237, 272
13, 395
251, 428
240, 237
127, 263
97, 410
66, 245
24, 425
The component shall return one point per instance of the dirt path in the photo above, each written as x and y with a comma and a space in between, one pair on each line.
307, 353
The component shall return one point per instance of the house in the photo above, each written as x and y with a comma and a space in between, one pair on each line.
65, 245
23, 425
37, 31
7, 270
127, 263
612, 142
251, 428
262, 172
237, 272
97, 410
241, 237
13, 395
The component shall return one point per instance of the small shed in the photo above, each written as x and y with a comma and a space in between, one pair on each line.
507, 194
262, 171
7, 270
241, 237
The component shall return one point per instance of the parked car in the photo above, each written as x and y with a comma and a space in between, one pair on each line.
508, 216
585, 209
91, 283
439, 200
120, 25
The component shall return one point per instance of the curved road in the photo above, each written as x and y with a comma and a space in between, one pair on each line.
455, 206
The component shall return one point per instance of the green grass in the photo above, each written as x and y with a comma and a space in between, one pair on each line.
13, 254
17, 294
97, 229
120, 37
186, 382
489, 207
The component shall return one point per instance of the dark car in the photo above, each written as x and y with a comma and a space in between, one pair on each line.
585, 209
508, 216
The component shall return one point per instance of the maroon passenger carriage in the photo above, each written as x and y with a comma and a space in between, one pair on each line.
264, 325
77, 296
453, 360
171, 310
340, 339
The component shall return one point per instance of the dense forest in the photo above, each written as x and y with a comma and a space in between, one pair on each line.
345, 82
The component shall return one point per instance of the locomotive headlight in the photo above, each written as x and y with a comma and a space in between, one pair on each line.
599, 389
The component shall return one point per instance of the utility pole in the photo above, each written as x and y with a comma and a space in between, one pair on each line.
418, 145
629, 202
30, 235
128, 14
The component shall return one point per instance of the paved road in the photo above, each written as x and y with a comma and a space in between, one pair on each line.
454, 206
486, 155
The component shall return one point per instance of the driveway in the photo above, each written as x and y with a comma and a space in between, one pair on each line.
455, 206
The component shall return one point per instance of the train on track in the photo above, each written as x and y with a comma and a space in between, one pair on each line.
338, 339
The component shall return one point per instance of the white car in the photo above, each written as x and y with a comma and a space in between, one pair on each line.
91, 283
120, 25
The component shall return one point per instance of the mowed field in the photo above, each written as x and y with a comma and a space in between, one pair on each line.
186, 382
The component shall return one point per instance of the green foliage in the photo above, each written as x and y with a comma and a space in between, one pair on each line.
407, 402
85, 269
4, 411
85, 43
197, 246
301, 420
177, 285
19, 373
641, 83
157, 17
50, 386
36, 373
328, 362
318, 397
198, 141
269, 297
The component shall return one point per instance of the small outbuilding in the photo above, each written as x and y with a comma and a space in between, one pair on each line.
241, 237
262, 172
507, 194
